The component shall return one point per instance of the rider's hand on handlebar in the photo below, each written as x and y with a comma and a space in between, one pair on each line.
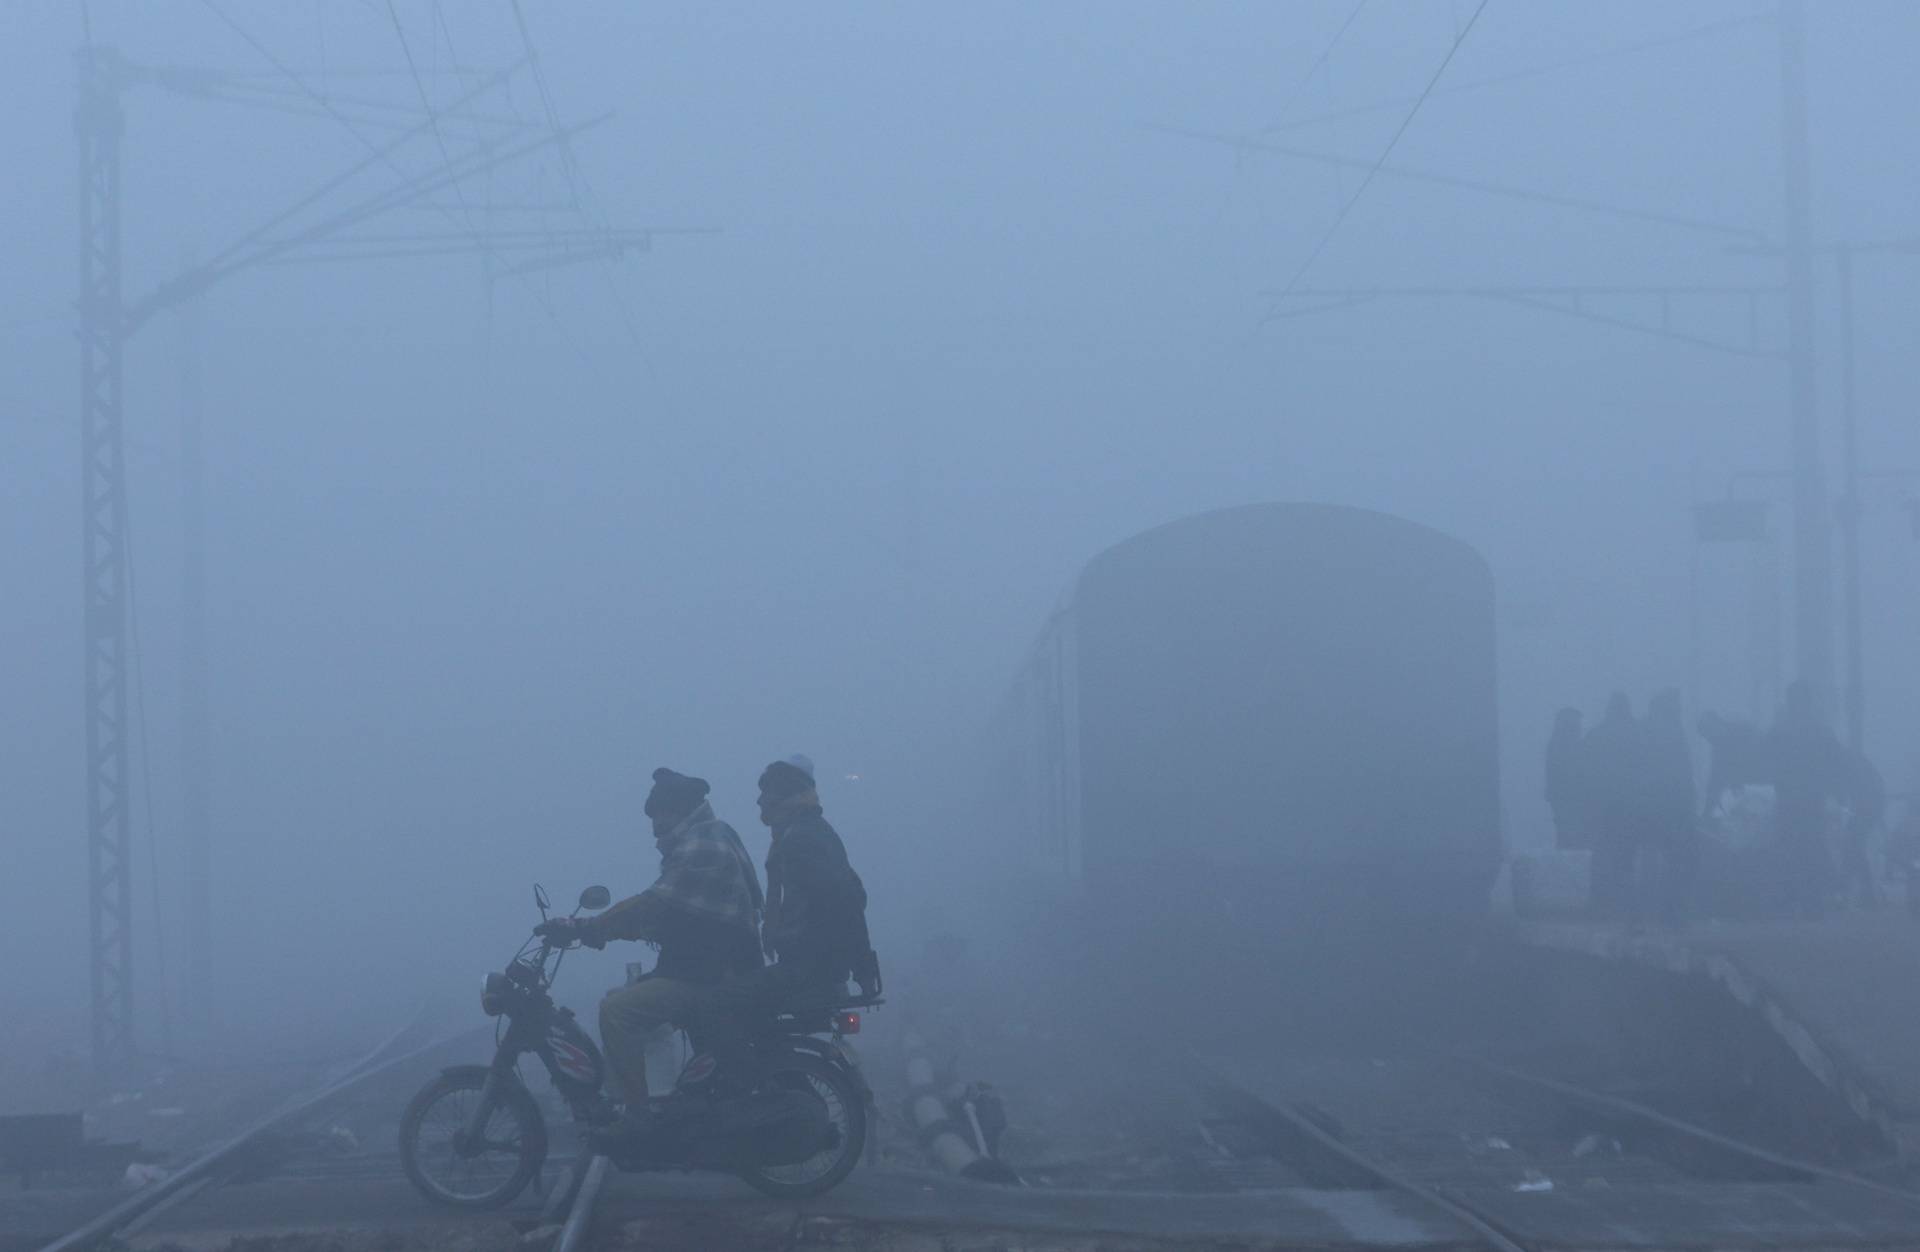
560, 931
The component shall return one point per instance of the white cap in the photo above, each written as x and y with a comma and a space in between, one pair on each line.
802, 762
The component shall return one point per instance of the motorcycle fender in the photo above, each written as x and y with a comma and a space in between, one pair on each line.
832, 1055
481, 1071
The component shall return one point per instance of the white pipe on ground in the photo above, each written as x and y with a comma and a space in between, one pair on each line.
939, 1134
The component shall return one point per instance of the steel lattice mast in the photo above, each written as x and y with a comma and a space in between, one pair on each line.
99, 121
108, 319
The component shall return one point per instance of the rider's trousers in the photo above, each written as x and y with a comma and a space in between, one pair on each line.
630, 1014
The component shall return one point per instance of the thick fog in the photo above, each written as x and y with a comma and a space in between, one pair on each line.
965, 295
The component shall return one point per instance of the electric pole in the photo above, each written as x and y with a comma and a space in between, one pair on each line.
1856, 687
1812, 576
107, 319
99, 121
196, 763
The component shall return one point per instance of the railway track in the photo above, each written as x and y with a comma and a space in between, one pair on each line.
1521, 1163
261, 1148
1428, 1153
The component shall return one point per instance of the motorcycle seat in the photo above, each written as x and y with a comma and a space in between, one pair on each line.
817, 1018
855, 1001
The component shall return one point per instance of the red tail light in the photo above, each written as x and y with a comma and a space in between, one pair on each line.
846, 1023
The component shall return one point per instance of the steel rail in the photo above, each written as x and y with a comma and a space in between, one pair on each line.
1633, 1111
1281, 1122
202, 1170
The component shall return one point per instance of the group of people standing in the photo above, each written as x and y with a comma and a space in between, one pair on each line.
1624, 791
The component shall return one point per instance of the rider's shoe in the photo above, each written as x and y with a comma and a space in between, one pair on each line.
630, 1130
602, 1112
640, 1126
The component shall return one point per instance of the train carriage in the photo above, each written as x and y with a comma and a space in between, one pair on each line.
1278, 711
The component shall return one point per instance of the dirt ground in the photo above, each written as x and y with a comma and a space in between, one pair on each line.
708, 1233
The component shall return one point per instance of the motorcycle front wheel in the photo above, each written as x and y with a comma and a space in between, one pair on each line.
846, 1107
511, 1148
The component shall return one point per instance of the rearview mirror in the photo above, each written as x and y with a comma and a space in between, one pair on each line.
540, 897
595, 898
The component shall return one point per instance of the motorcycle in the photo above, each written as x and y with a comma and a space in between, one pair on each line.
793, 1125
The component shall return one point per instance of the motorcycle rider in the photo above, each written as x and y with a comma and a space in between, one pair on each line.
816, 923
703, 914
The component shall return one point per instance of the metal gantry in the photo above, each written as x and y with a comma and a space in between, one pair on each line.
107, 319
1812, 523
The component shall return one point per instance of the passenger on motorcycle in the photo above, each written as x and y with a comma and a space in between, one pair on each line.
703, 913
816, 918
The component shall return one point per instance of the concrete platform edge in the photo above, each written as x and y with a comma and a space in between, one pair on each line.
1827, 1064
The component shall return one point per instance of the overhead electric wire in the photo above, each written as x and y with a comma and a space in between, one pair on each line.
1306, 81
433, 119
561, 136
233, 83
1415, 174
1536, 71
294, 77
202, 276
1374, 170
296, 109
546, 97
561, 141
576, 177
1299, 94
452, 71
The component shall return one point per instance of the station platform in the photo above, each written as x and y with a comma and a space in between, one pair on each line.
1843, 993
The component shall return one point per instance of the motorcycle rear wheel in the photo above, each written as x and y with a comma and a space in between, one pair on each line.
846, 1105
514, 1130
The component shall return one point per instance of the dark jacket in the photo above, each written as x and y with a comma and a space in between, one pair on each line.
1737, 757
702, 912
1616, 754
1809, 768
1569, 789
1669, 766
816, 903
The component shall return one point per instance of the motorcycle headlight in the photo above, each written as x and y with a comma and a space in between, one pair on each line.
493, 995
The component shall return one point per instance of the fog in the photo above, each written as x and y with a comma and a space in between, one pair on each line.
944, 304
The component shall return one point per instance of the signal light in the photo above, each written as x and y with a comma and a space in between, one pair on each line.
846, 1023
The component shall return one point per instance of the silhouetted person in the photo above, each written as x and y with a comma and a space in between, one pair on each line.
1616, 758
816, 919
1808, 766
1569, 793
702, 913
1866, 795
1903, 853
1669, 813
1737, 758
